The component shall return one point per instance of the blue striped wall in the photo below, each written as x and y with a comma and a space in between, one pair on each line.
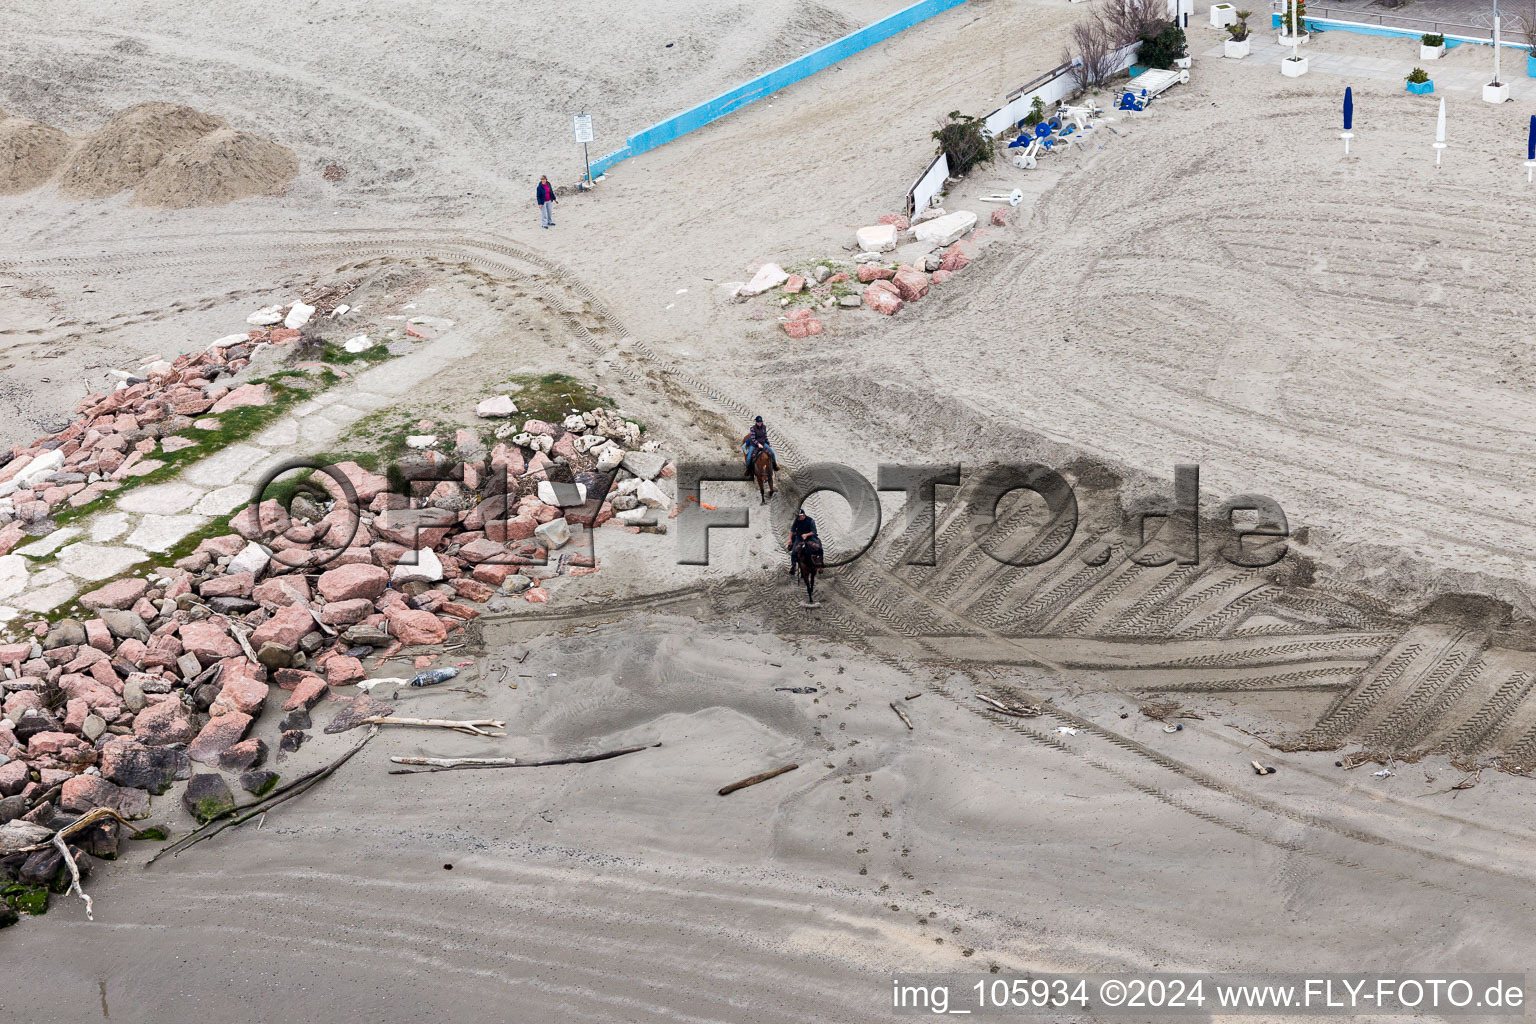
767, 84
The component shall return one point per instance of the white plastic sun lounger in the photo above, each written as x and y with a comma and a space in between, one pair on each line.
1148, 85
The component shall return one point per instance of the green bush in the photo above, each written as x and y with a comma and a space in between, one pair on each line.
1161, 50
965, 142
1418, 76
1431, 39
1036, 113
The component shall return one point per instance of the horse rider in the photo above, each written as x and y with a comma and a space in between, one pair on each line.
757, 438
801, 532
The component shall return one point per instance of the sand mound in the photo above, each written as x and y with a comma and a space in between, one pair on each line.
130, 145
30, 152
220, 167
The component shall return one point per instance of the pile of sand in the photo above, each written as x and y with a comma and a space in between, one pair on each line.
118, 154
171, 156
218, 168
30, 152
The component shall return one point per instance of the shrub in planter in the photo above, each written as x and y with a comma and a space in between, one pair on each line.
1238, 46
1431, 46
1162, 49
1419, 83
1432, 39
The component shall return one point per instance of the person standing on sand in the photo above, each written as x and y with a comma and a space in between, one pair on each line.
546, 198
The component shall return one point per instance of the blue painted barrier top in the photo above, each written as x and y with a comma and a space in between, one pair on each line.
1359, 28
771, 82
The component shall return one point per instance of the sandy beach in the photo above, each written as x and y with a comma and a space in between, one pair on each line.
1211, 283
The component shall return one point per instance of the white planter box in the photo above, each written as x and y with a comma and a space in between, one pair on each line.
1286, 40
1293, 68
1431, 52
1223, 15
1496, 93
1237, 50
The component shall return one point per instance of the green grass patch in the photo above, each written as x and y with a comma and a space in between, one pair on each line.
552, 396
28, 899
216, 527
289, 388
336, 355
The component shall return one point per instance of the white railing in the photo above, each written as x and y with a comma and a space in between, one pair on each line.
1052, 87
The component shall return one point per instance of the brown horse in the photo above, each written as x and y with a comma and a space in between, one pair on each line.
762, 470
808, 562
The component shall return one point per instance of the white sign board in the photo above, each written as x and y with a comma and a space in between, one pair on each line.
582, 125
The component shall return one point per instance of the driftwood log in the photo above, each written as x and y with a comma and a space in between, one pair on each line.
472, 726
454, 764
753, 780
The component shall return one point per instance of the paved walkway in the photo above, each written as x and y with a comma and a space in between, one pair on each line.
146, 521
1267, 55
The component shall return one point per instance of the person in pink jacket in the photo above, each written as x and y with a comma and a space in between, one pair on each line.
546, 199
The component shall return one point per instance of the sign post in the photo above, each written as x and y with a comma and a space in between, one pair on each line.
581, 126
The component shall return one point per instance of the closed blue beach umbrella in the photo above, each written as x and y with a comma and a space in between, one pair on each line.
1530, 150
1349, 117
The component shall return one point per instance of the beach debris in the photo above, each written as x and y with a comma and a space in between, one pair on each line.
753, 780
41, 837
267, 316
945, 230
1262, 769
453, 764
1385, 773
1162, 710
1176, 727
902, 715
470, 726
1013, 198
457, 762
434, 676
1470, 780
1010, 708
913, 696
281, 794
367, 685
298, 315
770, 275
795, 689
878, 237
1066, 730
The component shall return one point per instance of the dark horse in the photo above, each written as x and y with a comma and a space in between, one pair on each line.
808, 561
762, 469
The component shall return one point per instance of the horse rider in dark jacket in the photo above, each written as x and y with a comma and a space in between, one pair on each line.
757, 438
802, 532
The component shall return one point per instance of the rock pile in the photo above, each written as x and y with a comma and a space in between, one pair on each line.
927, 245
165, 675
116, 435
